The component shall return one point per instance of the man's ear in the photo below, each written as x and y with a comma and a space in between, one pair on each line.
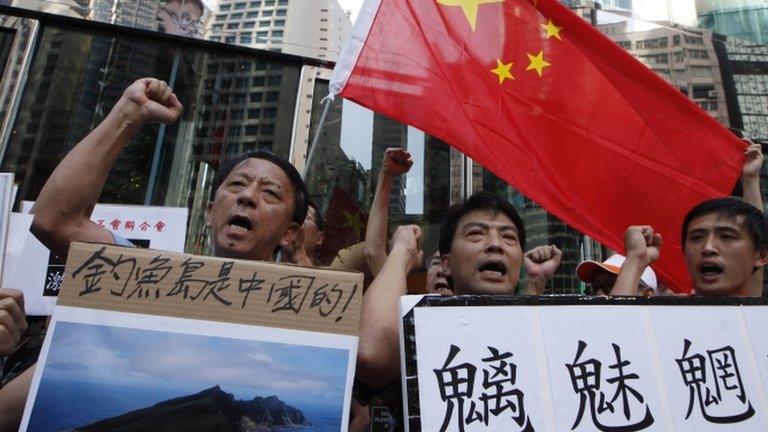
762, 259
290, 234
208, 208
445, 260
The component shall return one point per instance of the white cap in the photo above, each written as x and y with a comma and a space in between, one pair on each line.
587, 269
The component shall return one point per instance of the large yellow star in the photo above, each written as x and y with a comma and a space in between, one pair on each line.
469, 7
552, 30
502, 70
537, 62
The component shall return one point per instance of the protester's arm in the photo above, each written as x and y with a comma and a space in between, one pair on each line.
378, 352
540, 264
750, 174
63, 206
396, 162
642, 249
13, 396
13, 321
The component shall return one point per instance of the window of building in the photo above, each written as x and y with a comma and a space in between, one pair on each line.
239, 6
266, 13
280, 12
273, 96
264, 23
232, 26
256, 97
236, 15
254, 113
277, 34
252, 14
279, 23
267, 129
225, 7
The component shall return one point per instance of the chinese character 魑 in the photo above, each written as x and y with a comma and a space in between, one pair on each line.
500, 393
728, 403
586, 382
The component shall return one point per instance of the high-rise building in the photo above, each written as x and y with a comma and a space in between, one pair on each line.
743, 19
310, 28
685, 57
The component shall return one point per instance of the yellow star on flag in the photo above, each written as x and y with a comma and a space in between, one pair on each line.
502, 70
469, 7
552, 30
537, 62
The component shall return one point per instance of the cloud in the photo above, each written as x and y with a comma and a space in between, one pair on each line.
119, 354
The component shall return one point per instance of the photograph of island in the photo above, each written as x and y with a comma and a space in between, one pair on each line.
99, 377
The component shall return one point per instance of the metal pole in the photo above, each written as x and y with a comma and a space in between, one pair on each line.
160, 137
313, 148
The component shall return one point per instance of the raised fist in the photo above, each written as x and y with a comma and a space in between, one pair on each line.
407, 240
542, 262
642, 243
396, 161
150, 100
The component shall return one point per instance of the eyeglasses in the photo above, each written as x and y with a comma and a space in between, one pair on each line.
184, 21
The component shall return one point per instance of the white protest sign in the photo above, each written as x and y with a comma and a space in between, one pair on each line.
40, 273
486, 364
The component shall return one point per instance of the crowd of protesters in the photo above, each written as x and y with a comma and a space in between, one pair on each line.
259, 206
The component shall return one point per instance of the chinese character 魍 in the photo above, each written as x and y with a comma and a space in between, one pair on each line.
728, 403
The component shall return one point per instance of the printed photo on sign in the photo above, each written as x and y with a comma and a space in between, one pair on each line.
479, 380
601, 370
113, 369
708, 369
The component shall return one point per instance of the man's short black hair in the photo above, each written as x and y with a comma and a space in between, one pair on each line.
731, 208
478, 201
318, 216
299, 188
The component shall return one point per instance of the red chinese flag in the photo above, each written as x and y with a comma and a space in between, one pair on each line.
546, 102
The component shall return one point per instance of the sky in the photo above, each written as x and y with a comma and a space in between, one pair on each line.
246, 368
351, 5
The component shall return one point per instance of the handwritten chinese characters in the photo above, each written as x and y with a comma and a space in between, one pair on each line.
125, 276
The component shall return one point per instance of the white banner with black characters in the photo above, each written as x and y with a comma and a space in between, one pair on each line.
39, 273
478, 363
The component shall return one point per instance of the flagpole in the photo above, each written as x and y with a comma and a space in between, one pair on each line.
313, 148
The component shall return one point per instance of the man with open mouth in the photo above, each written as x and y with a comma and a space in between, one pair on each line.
725, 241
258, 201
